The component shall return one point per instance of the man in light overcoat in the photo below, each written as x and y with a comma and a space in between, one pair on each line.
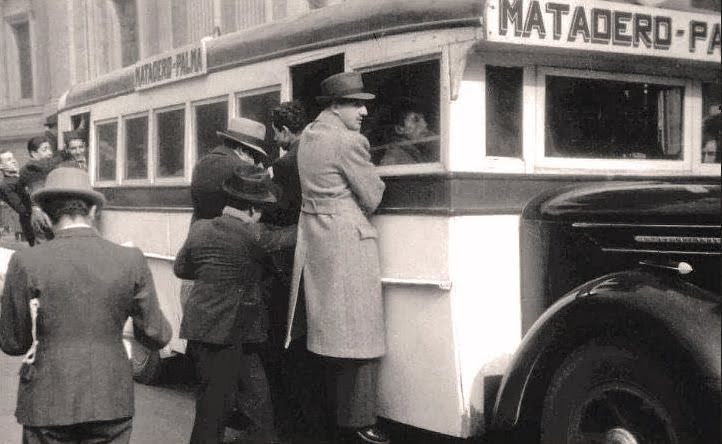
337, 255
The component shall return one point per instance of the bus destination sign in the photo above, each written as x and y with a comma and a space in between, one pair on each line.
605, 26
179, 64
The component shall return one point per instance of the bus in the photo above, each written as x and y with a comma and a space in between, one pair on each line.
550, 266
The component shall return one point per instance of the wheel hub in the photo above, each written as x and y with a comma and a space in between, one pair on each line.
619, 436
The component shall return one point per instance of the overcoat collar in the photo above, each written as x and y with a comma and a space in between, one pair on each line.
329, 118
77, 232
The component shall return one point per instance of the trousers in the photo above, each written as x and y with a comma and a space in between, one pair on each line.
98, 432
229, 376
351, 387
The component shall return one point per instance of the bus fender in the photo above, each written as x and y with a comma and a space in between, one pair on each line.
673, 320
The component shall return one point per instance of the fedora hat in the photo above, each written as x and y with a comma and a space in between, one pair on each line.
247, 132
249, 184
68, 182
345, 85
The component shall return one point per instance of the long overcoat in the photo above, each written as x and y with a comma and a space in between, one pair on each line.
87, 287
336, 249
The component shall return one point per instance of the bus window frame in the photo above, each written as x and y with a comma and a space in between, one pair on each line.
545, 164
697, 137
154, 146
393, 60
94, 164
194, 104
123, 158
238, 95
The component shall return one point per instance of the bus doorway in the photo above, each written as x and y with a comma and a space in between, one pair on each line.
306, 81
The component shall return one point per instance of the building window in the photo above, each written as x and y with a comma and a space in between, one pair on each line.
210, 118
136, 148
171, 143
403, 127
504, 111
612, 119
711, 123
19, 54
106, 143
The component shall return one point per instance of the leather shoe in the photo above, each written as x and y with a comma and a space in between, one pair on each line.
373, 435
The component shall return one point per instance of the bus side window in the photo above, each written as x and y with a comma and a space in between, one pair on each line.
210, 117
106, 143
504, 111
171, 143
711, 128
612, 119
136, 148
258, 107
403, 121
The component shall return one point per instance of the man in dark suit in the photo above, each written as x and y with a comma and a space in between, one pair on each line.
242, 143
65, 303
225, 316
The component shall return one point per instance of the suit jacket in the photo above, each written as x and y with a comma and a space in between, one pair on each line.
15, 196
206, 184
336, 250
87, 288
224, 256
285, 176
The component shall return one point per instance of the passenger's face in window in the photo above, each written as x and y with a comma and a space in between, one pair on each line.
351, 113
413, 126
709, 152
76, 148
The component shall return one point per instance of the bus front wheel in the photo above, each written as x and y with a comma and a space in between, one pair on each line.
607, 394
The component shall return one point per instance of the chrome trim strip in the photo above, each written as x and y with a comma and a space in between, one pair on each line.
634, 250
161, 257
645, 239
440, 284
625, 225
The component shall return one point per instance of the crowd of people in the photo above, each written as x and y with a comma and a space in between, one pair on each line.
18, 184
284, 318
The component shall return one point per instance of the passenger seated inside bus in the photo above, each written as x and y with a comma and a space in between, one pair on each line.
411, 140
402, 127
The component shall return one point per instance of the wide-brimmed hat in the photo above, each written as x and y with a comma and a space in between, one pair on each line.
68, 182
249, 184
345, 85
247, 132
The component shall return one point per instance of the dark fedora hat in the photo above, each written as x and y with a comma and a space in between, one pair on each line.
345, 85
249, 184
68, 182
247, 132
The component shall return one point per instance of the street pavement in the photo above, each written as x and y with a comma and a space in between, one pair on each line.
163, 414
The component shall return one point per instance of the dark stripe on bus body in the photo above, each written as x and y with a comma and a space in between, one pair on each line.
445, 194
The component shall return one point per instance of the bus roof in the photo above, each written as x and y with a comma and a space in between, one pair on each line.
343, 23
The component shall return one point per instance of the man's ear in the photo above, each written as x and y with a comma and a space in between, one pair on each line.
399, 129
94, 212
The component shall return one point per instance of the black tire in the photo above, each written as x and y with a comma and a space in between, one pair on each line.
146, 364
606, 393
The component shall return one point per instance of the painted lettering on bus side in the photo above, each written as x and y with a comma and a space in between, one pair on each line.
600, 23
180, 64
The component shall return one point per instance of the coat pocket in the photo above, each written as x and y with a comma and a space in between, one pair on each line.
367, 232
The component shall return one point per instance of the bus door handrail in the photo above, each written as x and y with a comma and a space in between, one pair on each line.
440, 284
